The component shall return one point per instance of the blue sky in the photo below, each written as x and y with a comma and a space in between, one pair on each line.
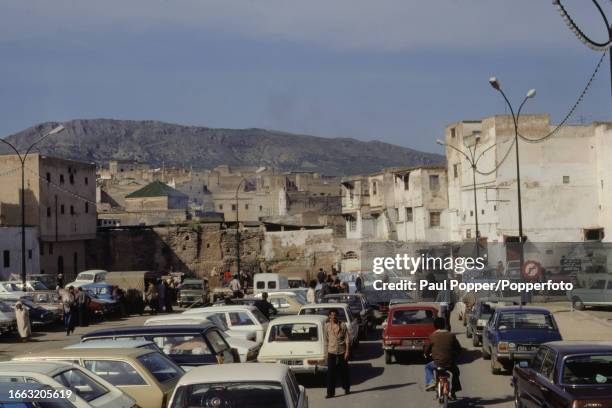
392, 70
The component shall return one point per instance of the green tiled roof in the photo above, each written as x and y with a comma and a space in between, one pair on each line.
155, 189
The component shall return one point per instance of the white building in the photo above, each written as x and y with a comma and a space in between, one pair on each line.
10, 251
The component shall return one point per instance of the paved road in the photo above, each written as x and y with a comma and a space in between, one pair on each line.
401, 384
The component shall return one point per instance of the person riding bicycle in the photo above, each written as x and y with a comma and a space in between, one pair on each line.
444, 349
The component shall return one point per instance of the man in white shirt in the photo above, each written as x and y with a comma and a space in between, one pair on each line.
235, 287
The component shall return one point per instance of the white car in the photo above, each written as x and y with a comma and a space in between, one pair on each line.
86, 277
237, 317
344, 315
218, 319
8, 322
90, 389
247, 349
236, 385
297, 341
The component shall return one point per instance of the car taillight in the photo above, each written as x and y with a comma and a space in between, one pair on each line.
315, 362
587, 404
391, 342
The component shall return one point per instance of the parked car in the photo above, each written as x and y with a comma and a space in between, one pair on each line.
24, 388
38, 314
344, 315
85, 277
359, 307
110, 343
515, 333
218, 319
565, 374
238, 317
599, 293
8, 322
478, 317
101, 299
11, 291
147, 376
190, 292
408, 329
255, 385
297, 341
286, 303
90, 390
47, 279
247, 349
186, 345
50, 300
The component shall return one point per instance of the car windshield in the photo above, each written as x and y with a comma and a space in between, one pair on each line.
79, 382
191, 286
417, 316
38, 285
353, 301
5, 308
525, 320
252, 394
294, 332
588, 370
85, 277
324, 311
161, 367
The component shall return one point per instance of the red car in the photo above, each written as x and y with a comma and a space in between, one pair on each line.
408, 329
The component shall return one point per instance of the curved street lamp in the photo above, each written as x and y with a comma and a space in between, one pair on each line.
22, 159
515, 120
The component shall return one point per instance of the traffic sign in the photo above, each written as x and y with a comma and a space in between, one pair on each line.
532, 270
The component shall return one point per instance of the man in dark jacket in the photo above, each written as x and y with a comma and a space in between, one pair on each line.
264, 306
444, 349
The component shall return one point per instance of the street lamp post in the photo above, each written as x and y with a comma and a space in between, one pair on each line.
515, 119
23, 159
473, 160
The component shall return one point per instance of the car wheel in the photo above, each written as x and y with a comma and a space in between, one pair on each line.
495, 370
468, 332
485, 354
577, 303
475, 341
517, 397
388, 357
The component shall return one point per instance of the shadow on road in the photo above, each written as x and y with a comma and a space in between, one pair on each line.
477, 402
359, 373
367, 350
384, 387
469, 356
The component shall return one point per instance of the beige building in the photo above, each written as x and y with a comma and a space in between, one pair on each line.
59, 200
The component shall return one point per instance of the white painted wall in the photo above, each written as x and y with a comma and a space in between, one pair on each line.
10, 240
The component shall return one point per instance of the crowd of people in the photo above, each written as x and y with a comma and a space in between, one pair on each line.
161, 295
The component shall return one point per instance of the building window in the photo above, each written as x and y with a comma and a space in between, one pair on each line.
352, 224
374, 188
71, 177
453, 132
48, 212
261, 208
468, 233
596, 234
482, 212
221, 207
48, 177
29, 254
455, 170
61, 179
471, 213
86, 207
7, 258
409, 214
566, 179
50, 248
434, 182
233, 207
246, 206
62, 209
71, 210
434, 219
86, 180
495, 207
406, 181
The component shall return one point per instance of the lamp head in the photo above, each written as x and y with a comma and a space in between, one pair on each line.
495, 83
57, 129
441, 143
531, 93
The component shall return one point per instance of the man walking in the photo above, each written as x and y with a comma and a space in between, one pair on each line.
338, 343
235, 287
264, 306
81, 301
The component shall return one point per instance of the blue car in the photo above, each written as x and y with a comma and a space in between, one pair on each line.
101, 301
514, 333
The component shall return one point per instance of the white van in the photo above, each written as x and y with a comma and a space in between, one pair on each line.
86, 277
267, 282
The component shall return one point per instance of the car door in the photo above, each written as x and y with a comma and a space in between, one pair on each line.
528, 386
487, 332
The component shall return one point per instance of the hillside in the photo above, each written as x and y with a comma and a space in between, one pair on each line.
99, 140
